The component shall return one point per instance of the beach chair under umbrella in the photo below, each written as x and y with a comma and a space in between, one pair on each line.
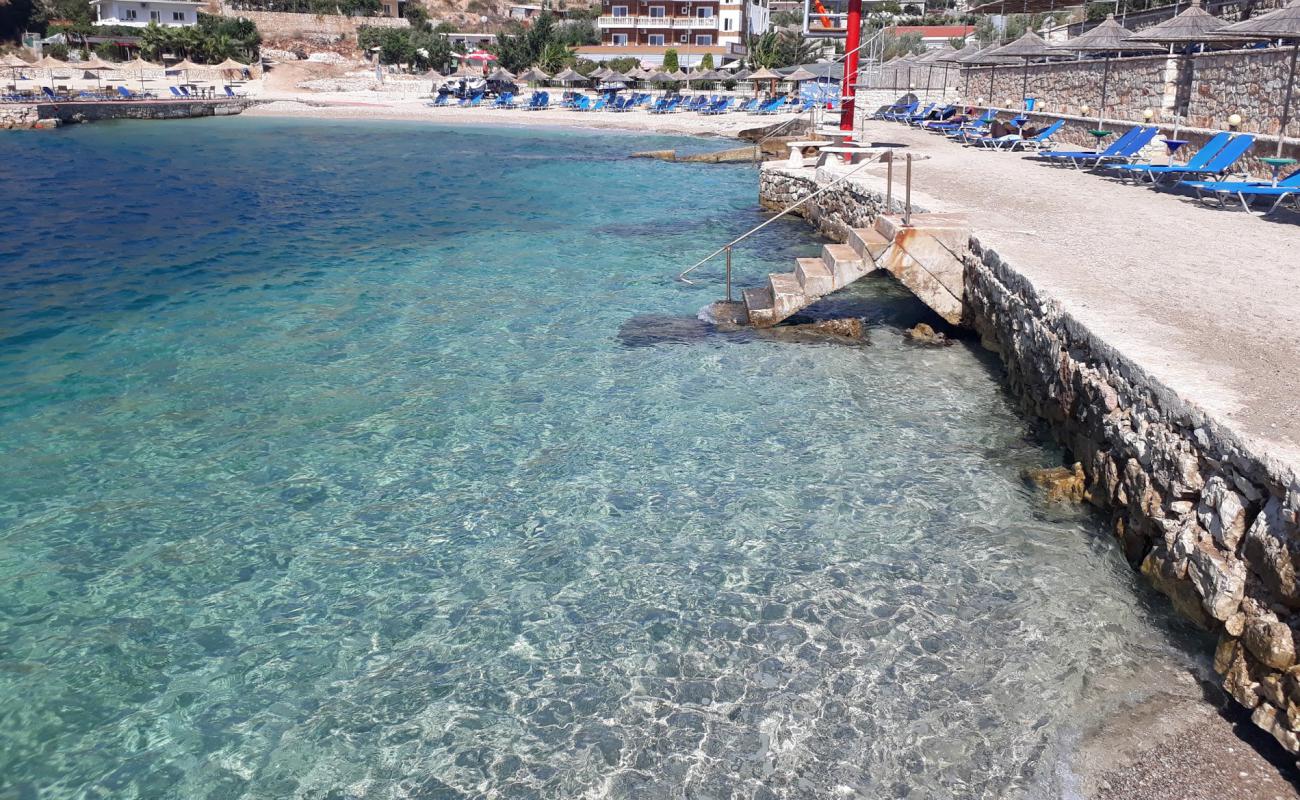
96, 65
768, 75
139, 66
1108, 38
1027, 47
1282, 24
50, 64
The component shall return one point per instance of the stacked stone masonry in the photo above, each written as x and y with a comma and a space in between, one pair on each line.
1211, 523
1212, 86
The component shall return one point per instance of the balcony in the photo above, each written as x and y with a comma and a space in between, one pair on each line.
660, 23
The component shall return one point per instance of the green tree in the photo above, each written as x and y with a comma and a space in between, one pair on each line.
555, 57
776, 49
706, 63
670, 60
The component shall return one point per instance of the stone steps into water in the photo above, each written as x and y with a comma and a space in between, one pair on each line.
926, 257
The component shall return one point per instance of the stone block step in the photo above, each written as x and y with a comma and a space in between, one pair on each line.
868, 243
950, 230
814, 276
787, 295
845, 264
760, 305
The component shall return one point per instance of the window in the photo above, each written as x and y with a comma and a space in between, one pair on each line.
618, 11
706, 39
657, 11
655, 38
155, 16
178, 16
704, 13
618, 38
130, 13
726, 24
682, 38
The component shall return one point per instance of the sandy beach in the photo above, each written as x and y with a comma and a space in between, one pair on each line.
300, 90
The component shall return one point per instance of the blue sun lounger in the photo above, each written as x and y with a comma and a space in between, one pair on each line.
1217, 168
1286, 187
1123, 147
1015, 141
1197, 160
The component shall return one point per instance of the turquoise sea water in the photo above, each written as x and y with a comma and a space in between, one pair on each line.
343, 461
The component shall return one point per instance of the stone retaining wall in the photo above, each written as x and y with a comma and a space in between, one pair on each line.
1209, 88
835, 213
1211, 523
1246, 82
52, 114
17, 116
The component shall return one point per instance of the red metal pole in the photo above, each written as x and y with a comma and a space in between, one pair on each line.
851, 44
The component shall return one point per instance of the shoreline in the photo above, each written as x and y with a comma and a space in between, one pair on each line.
348, 107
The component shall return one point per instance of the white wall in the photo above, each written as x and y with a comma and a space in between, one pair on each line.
118, 12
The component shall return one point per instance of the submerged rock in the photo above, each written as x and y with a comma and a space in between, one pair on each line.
647, 330
849, 330
1063, 484
924, 334
731, 155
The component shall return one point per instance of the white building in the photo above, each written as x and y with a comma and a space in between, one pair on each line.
681, 24
139, 13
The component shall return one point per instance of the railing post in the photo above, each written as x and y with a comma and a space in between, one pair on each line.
889, 185
728, 274
907, 202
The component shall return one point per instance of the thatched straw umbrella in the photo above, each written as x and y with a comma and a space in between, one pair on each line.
956, 56
1193, 26
985, 58
501, 74
96, 65
1283, 24
766, 74
533, 75
936, 56
1107, 38
1027, 47
569, 76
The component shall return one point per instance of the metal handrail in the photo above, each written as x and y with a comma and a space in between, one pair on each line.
727, 247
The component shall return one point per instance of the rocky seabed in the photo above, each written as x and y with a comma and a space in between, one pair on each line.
1214, 525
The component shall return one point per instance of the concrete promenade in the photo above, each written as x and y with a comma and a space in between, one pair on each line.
1206, 301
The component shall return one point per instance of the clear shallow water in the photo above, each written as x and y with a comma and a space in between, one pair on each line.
333, 467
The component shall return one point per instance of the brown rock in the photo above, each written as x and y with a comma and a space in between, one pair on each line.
1238, 681
1063, 484
1220, 581
1222, 512
1267, 718
1235, 624
1270, 641
1270, 688
1160, 571
1268, 549
1225, 653
924, 334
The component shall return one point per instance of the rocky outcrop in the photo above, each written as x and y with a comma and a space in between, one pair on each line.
1211, 523
921, 333
733, 155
